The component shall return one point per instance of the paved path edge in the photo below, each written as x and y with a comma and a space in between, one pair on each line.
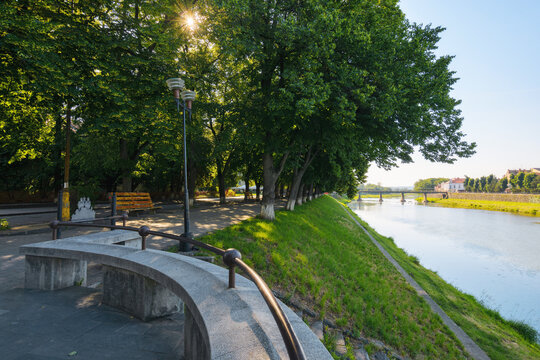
470, 346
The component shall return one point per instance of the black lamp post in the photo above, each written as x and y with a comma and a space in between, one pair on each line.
175, 85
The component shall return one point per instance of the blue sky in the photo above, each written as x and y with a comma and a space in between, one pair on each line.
497, 58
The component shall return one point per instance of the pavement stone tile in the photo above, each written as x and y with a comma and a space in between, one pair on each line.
50, 325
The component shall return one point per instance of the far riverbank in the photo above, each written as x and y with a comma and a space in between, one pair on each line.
520, 208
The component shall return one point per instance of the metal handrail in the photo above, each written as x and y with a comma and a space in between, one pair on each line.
231, 258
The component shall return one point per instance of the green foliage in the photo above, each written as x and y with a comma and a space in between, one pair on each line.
520, 183
428, 184
527, 331
316, 90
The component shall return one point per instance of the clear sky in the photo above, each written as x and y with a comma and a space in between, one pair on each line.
496, 44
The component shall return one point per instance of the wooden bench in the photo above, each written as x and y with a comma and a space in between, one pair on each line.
134, 202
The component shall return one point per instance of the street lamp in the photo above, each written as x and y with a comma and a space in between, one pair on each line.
175, 85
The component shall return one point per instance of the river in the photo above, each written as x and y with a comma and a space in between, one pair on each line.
492, 255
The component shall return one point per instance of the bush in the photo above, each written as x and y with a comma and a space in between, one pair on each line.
230, 193
526, 330
4, 225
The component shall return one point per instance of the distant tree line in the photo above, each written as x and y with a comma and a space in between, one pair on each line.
428, 184
373, 187
519, 183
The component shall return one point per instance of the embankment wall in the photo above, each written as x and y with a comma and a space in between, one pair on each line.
524, 198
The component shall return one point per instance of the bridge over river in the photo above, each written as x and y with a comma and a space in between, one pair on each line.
381, 193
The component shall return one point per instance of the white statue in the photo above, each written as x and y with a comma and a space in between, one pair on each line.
84, 210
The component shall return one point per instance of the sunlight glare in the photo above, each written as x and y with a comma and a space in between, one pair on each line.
190, 21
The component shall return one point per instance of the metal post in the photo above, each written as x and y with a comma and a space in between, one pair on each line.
232, 279
113, 210
59, 214
402, 197
66, 210
229, 258
184, 247
380, 197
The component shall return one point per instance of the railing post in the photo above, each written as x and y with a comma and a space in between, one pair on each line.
144, 231
124, 218
57, 234
113, 210
54, 226
229, 258
232, 277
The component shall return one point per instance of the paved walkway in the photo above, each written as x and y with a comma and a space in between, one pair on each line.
53, 325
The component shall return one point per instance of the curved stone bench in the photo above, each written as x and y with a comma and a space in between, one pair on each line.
220, 323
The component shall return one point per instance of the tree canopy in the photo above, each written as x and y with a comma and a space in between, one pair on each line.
297, 95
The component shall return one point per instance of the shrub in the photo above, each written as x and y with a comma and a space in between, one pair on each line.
526, 330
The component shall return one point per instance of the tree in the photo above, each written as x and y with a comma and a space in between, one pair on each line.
428, 184
529, 182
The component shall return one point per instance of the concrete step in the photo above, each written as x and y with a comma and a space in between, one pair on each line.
341, 349
318, 330
361, 354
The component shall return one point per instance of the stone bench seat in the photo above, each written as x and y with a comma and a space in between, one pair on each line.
220, 323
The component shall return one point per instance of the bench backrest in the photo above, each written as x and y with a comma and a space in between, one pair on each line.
133, 201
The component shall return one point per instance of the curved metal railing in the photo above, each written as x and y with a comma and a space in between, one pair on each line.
232, 258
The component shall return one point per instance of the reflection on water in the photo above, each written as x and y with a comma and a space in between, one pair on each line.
492, 255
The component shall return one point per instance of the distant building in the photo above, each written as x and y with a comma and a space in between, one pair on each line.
509, 172
452, 185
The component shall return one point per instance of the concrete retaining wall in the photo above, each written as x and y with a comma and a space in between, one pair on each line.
525, 198
221, 323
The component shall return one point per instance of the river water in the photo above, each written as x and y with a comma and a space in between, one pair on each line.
492, 255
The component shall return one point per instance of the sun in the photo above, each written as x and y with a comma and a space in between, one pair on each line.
190, 20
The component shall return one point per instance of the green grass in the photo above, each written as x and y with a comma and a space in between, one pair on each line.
318, 256
499, 338
532, 209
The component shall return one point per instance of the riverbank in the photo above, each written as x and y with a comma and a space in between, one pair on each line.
530, 209
321, 259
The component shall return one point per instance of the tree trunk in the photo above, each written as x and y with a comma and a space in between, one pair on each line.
295, 196
192, 179
126, 173
221, 184
269, 180
270, 176
310, 192
291, 201
258, 191
246, 187
304, 194
299, 197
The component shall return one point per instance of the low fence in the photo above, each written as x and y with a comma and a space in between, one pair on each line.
524, 198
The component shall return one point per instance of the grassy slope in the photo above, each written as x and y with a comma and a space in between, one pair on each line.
515, 207
320, 257
486, 327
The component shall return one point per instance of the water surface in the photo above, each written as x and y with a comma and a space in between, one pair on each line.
492, 255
